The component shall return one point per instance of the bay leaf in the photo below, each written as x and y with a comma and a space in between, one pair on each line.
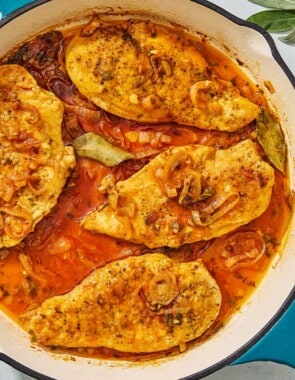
271, 138
279, 4
90, 145
274, 21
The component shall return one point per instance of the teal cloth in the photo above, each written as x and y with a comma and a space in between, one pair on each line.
278, 344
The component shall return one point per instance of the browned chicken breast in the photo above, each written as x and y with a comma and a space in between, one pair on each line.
140, 304
152, 73
34, 164
186, 194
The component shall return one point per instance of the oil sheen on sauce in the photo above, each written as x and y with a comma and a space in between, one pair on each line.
59, 253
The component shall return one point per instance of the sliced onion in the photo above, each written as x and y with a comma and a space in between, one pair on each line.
28, 268
26, 146
196, 88
151, 102
215, 210
61, 87
34, 116
154, 139
8, 190
154, 63
166, 68
162, 289
171, 180
17, 212
173, 162
48, 184
125, 206
171, 192
240, 249
191, 190
159, 65
146, 153
89, 114
145, 136
14, 218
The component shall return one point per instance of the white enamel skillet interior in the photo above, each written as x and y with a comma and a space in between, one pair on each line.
262, 62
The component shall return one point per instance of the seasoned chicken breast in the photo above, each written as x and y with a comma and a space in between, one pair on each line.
34, 164
140, 304
185, 194
152, 73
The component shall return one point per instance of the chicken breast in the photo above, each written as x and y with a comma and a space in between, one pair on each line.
140, 304
34, 164
147, 72
185, 194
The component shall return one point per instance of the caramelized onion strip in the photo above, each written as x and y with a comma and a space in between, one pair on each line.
215, 210
170, 179
48, 184
191, 190
14, 218
34, 116
89, 114
240, 249
27, 146
29, 269
161, 291
195, 91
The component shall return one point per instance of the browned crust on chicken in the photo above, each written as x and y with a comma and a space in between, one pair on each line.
147, 72
140, 304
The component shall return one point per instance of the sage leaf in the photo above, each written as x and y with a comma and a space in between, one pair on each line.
289, 38
271, 138
274, 21
90, 145
279, 4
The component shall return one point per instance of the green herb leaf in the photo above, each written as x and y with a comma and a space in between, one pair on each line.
95, 147
271, 138
289, 38
278, 4
274, 21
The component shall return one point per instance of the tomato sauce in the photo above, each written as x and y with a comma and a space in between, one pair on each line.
59, 254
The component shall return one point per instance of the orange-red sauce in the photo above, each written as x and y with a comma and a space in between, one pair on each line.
59, 253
